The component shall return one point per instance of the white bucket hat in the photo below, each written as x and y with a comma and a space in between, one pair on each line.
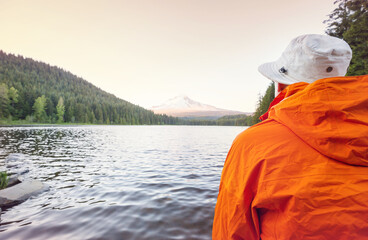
309, 58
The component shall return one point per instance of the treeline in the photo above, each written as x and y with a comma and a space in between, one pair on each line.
233, 120
42, 93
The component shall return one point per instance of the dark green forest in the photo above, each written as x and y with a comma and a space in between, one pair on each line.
35, 92
42, 93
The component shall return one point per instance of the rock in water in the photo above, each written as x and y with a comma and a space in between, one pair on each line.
13, 181
19, 192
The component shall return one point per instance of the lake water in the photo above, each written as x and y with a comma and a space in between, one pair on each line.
115, 182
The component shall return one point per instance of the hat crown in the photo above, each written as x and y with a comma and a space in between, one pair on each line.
326, 45
310, 57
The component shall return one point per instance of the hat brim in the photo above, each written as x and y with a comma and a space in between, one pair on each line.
271, 71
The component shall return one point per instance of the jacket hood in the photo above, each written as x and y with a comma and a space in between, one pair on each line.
330, 115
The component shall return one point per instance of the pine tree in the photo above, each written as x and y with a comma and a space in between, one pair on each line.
357, 37
338, 21
13, 99
60, 109
349, 21
39, 108
4, 101
264, 103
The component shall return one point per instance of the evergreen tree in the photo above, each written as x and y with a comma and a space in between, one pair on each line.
99, 114
350, 22
39, 108
4, 101
338, 21
264, 103
50, 110
357, 37
13, 98
60, 109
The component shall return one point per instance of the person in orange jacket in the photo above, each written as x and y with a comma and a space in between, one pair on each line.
302, 172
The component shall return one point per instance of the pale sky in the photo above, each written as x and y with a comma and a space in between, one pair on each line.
148, 51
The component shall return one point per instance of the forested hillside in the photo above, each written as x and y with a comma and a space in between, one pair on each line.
39, 92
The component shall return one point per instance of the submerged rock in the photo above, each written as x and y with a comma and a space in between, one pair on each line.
20, 192
13, 181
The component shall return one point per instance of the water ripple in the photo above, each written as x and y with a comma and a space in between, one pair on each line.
115, 182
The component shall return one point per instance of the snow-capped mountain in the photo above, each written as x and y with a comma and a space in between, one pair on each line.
183, 106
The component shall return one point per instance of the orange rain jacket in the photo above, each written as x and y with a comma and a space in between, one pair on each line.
302, 173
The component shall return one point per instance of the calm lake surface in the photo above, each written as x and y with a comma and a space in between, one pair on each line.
115, 182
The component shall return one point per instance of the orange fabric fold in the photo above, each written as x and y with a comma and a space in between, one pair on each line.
302, 172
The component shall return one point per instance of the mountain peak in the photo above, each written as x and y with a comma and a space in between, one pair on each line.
183, 106
183, 102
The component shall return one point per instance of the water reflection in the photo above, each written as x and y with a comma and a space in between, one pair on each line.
115, 182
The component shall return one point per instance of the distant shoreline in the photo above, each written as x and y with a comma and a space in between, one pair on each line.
182, 122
